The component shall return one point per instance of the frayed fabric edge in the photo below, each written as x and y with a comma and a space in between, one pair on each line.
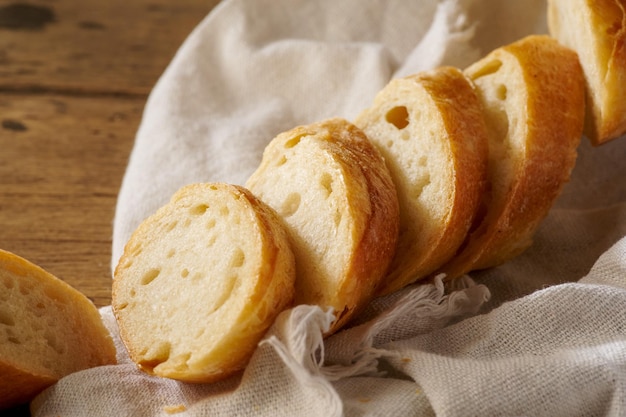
298, 335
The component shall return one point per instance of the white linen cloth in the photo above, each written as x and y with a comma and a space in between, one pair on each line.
542, 335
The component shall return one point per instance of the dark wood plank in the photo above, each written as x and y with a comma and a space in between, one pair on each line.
61, 164
74, 77
92, 47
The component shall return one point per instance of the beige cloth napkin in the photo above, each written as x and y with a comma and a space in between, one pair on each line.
543, 335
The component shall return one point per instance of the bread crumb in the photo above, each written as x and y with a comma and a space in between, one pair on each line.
365, 399
173, 409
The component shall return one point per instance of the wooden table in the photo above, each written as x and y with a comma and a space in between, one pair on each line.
74, 77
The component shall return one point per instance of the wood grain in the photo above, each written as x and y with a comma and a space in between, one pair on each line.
59, 176
74, 77
112, 47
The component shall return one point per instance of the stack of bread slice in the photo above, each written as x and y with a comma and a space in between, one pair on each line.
446, 172
532, 96
338, 203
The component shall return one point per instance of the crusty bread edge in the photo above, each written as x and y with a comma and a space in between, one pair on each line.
551, 149
24, 383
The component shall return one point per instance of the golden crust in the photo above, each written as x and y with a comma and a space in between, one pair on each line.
377, 245
226, 270
596, 30
543, 85
435, 221
48, 330
340, 271
19, 385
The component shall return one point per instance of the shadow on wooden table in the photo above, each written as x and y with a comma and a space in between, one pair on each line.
20, 411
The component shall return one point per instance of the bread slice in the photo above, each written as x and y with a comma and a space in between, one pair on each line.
533, 97
200, 282
431, 131
47, 330
596, 30
337, 200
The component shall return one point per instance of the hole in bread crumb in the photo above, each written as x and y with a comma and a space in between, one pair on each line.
211, 224
40, 309
213, 187
224, 211
294, 141
501, 92
171, 253
291, 204
326, 181
170, 226
14, 340
281, 161
150, 276
337, 218
398, 116
6, 318
125, 263
184, 273
158, 354
134, 248
38, 312
238, 258
488, 69
53, 342
8, 282
199, 209
418, 187
26, 288
211, 241
229, 285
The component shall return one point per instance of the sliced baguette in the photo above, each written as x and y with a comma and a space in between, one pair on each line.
334, 193
47, 330
533, 97
596, 30
200, 282
431, 131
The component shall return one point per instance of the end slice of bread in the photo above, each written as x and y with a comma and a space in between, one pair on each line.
48, 330
431, 131
596, 30
533, 97
200, 282
334, 193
